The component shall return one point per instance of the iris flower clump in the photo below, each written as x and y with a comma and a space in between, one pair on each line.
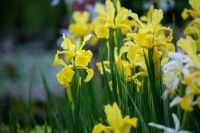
143, 76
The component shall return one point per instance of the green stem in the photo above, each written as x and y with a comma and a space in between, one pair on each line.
154, 86
112, 61
185, 120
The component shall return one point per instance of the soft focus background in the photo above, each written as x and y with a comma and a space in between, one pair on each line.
29, 32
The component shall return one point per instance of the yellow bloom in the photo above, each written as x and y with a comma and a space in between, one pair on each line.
195, 4
152, 34
117, 123
189, 46
81, 17
83, 58
193, 28
122, 65
194, 87
58, 61
186, 103
102, 32
106, 67
188, 100
65, 76
98, 128
67, 44
156, 18
99, 8
76, 58
136, 57
80, 27
150, 11
108, 20
184, 14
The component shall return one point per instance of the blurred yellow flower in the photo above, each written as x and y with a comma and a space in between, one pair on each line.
195, 4
65, 76
151, 34
189, 46
102, 32
83, 58
117, 123
80, 27
193, 28
107, 19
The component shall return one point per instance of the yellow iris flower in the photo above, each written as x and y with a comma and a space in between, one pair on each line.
152, 34
189, 75
195, 4
76, 58
189, 46
80, 27
193, 28
136, 59
107, 19
122, 65
117, 123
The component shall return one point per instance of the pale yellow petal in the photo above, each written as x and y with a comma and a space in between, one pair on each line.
60, 78
69, 93
83, 58
164, 61
136, 19
132, 121
189, 46
81, 17
98, 128
195, 4
66, 43
90, 74
110, 11
186, 103
127, 70
99, 8
79, 29
131, 53
67, 74
102, 32
85, 39
156, 18
150, 11
58, 61
184, 14
114, 116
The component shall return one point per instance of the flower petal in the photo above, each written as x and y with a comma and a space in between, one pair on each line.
98, 128
90, 74
102, 32
83, 58
114, 116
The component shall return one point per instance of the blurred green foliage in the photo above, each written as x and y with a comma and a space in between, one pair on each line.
37, 15
29, 14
